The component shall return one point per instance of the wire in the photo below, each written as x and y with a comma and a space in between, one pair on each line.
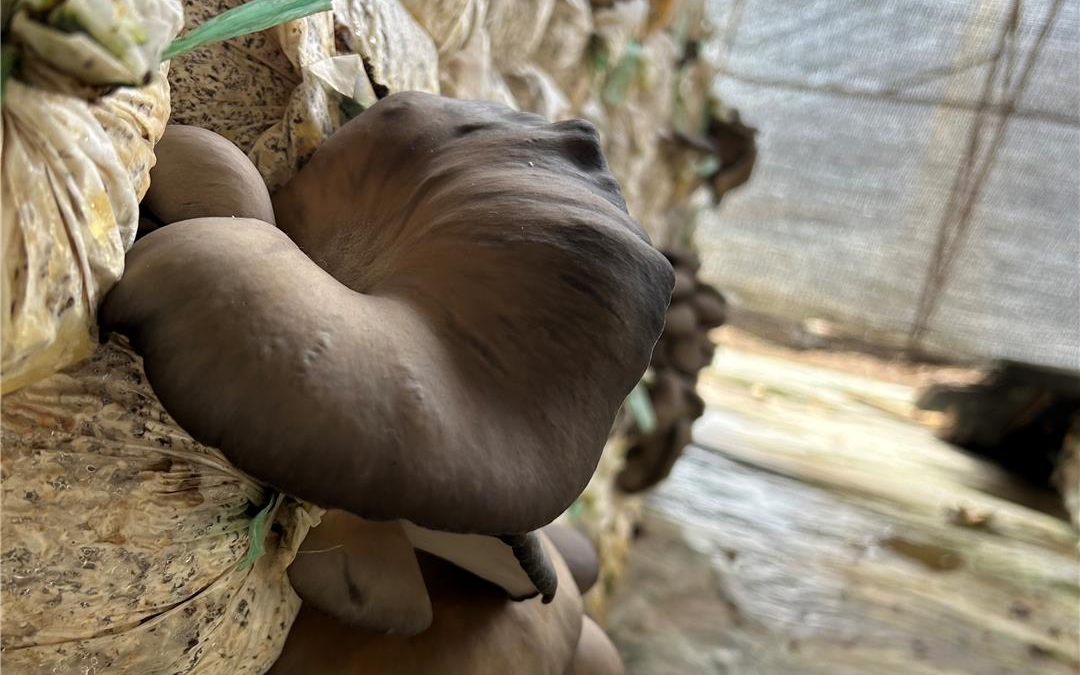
840, 89
956, 223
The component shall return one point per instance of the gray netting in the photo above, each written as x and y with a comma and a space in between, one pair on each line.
868, 207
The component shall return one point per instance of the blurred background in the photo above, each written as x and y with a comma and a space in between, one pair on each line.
885, 471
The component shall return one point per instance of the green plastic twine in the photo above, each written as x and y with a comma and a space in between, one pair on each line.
641, 408
620, 79
257, 531
250, 17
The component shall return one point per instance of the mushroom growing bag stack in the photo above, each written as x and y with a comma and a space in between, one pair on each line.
127, 547
75, 164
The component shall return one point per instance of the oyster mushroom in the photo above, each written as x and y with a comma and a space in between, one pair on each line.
476, 629
442, 330
594, 654
362, 573
516, 563
389, 350
577, 552
200, 174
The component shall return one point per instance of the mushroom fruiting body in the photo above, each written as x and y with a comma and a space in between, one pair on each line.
683, 350
442, 330
516, 563
476, 629
199, 175
594, 655
577, 552
363, 573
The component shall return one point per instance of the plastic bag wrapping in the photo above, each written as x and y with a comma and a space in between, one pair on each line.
312, 113
248, 89
470, 73
516, 28
637, 96
399, 55
278, 94
75, 45
136, 540
450, 23
536, 92
618, 26
73, 174
563, 49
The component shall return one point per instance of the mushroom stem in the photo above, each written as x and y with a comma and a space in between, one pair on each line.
578, 553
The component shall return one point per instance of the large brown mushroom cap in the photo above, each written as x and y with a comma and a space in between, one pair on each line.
464, 308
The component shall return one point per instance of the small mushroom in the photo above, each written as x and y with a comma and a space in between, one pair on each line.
681, 320
578, 553
442, 330
687, 355
708, 348
711, 307
200, 174
476, 629
672, 395
682, 258
362, 573
595, 655
684, 284
651, 460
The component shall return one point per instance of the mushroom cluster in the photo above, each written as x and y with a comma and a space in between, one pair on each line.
682, 351
428, 331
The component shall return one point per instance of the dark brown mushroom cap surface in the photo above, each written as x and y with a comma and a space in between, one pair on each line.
577, 552
200, 174
464, 308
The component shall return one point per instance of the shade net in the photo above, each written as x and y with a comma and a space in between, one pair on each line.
918, 179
